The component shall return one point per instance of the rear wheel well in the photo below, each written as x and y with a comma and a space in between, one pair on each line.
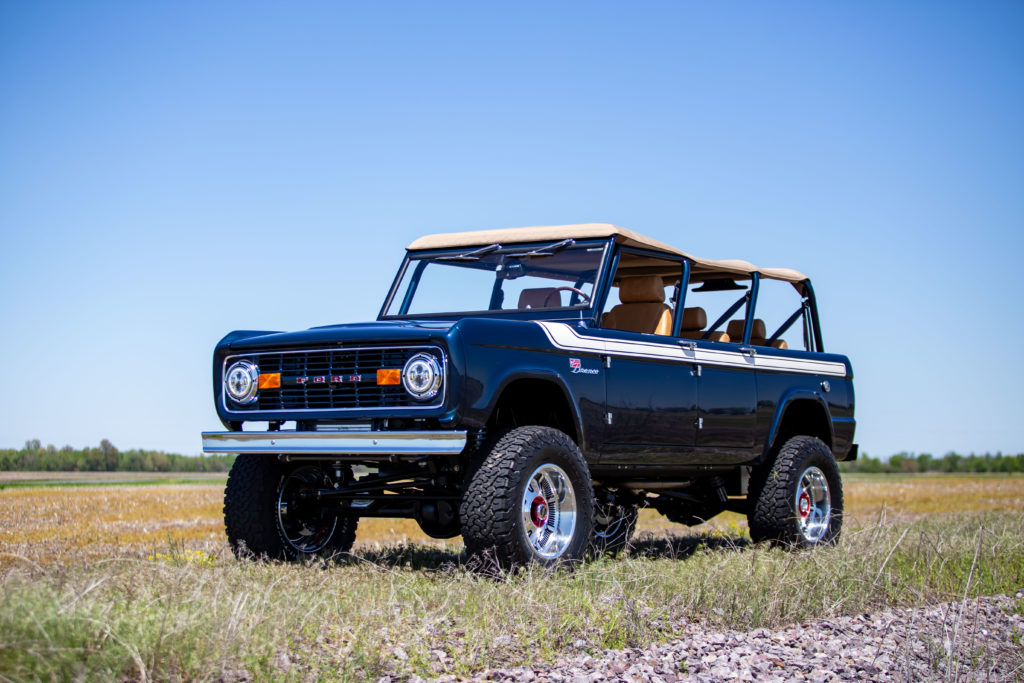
533, 402
802, 418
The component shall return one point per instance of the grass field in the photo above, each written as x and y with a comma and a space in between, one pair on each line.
107, 581
37, 479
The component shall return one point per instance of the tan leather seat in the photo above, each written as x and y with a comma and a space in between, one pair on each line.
540, 297
643, 307
694, 321
758, 335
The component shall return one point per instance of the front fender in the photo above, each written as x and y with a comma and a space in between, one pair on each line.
500, 352
547, 375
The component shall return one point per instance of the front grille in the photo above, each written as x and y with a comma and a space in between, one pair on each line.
334, 379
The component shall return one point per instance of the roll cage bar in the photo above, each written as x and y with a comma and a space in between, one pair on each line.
807, 310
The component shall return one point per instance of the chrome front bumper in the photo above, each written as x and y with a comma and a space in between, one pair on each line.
336, 443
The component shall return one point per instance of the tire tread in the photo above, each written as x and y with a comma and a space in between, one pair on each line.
772, 515
249, 519
489, 505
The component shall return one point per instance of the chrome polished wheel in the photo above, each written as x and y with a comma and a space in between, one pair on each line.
302, 524
549, 511
813, 504
529, 502
797, 500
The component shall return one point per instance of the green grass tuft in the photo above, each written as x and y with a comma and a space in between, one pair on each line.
416, 610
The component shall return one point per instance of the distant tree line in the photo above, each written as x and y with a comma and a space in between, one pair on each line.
106, 458
909, 463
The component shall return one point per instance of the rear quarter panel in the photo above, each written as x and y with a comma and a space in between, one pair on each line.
775, 390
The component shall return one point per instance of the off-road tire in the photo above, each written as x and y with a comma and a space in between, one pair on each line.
774, 516
612, 537
493, 526
251, 516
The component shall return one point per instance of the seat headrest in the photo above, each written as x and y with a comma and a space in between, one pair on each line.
646, 289
540, 297
735, 330
695, 318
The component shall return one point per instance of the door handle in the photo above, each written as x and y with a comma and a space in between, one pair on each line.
748, 351
688, 345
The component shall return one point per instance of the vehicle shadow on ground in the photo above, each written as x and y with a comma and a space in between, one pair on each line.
682, 547
404, 556
417, 557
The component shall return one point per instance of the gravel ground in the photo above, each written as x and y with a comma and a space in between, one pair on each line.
985, 638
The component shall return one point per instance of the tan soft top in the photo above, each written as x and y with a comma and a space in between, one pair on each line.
541, 233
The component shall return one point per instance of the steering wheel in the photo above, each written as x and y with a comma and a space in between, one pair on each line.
586, 297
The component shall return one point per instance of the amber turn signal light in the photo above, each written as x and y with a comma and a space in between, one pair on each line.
270, 380
390, 376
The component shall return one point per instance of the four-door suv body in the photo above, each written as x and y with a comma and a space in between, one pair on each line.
531, 388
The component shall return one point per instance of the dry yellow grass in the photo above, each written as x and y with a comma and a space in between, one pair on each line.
906, 498
68, 524
56, 524
65, 525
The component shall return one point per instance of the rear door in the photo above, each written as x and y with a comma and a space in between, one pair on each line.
727, 395
727, 417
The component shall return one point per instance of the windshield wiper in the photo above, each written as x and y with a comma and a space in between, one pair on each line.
549, 250
471, 255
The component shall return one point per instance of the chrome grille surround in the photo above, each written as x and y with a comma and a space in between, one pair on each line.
323, 364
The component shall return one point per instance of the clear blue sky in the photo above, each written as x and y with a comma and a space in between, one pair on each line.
173, 171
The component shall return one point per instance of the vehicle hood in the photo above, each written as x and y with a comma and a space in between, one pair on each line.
386, 331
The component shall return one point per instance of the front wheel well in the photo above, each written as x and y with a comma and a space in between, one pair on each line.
533, 402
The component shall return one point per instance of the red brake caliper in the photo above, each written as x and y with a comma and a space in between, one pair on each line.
804, 506
539, 512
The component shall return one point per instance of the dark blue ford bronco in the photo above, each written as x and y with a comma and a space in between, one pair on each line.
530, 389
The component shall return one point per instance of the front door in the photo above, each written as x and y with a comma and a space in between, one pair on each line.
652, 398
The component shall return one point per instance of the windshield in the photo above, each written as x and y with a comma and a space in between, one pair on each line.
498, 278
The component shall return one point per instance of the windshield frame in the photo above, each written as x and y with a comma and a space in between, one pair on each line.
412, 258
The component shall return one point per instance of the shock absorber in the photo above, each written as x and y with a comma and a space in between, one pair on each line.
718, 486
340, 472
476, 438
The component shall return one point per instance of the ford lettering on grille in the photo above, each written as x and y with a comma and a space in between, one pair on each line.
334, 379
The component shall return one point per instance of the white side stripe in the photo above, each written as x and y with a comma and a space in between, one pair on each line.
564, 336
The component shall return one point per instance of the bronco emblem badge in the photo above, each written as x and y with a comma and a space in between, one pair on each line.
576, 365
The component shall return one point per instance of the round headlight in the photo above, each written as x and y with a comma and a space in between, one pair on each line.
241, 381
421, 376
